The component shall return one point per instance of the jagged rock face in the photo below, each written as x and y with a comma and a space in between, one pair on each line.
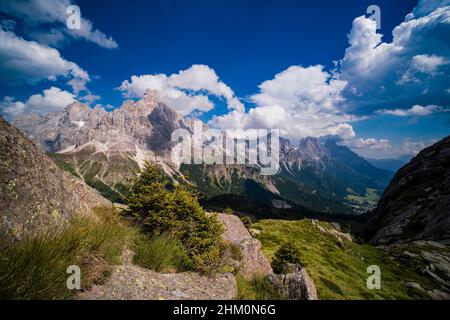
35, 195
146, 124
107, 149
416, 204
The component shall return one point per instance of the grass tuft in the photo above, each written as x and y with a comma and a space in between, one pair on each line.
161, 253
36, 268
258, 288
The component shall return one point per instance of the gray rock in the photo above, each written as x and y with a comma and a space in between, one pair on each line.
130, 282
414, 285
35, 195
416, 204
294, 283
438, 295
254, 262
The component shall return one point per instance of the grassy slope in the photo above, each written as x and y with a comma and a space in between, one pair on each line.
36, 268
339, 273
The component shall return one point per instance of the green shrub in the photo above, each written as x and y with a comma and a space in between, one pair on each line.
247, 221
235, 251
160, 208
287, 253
258, 288
36, 268
228, 210
161, 253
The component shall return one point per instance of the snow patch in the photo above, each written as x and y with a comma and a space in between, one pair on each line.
80, 123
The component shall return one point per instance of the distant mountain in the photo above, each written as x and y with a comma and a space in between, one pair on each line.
107, 149
35, 195
416, 204
390, 164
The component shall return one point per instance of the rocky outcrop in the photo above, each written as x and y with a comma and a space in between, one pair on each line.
428, 258
35, 195
333, 229
294, 283
130, 282
253, 262
416, 204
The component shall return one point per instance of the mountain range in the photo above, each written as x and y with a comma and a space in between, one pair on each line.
107, 149
392, 164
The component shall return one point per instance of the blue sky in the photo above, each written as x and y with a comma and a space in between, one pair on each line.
248, 64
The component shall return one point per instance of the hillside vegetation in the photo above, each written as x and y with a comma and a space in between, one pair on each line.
339, 270
36, 268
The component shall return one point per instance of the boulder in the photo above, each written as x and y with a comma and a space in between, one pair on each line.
294, 283
253, 262
35, 195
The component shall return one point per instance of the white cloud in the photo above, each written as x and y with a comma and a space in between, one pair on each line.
299, 101
413, 147
385, 149
51, 100
36, 14
416, 110
90, 98
370, 143
10, 108
412, 69
28, 61
185, 91
428, 63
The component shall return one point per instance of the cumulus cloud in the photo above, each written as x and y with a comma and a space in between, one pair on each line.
369, 143
11, 108
383, 148
28, 61
299, 101
37, 15
50, 100
185, 91
428, 63
416, 110
413, 147
412, 69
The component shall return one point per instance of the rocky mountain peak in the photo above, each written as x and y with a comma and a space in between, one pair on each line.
312, 147
150, 96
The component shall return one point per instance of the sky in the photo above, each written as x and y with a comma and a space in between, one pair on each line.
309, 68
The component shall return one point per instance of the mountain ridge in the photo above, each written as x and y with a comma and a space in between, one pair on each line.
107, 149
416, 203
